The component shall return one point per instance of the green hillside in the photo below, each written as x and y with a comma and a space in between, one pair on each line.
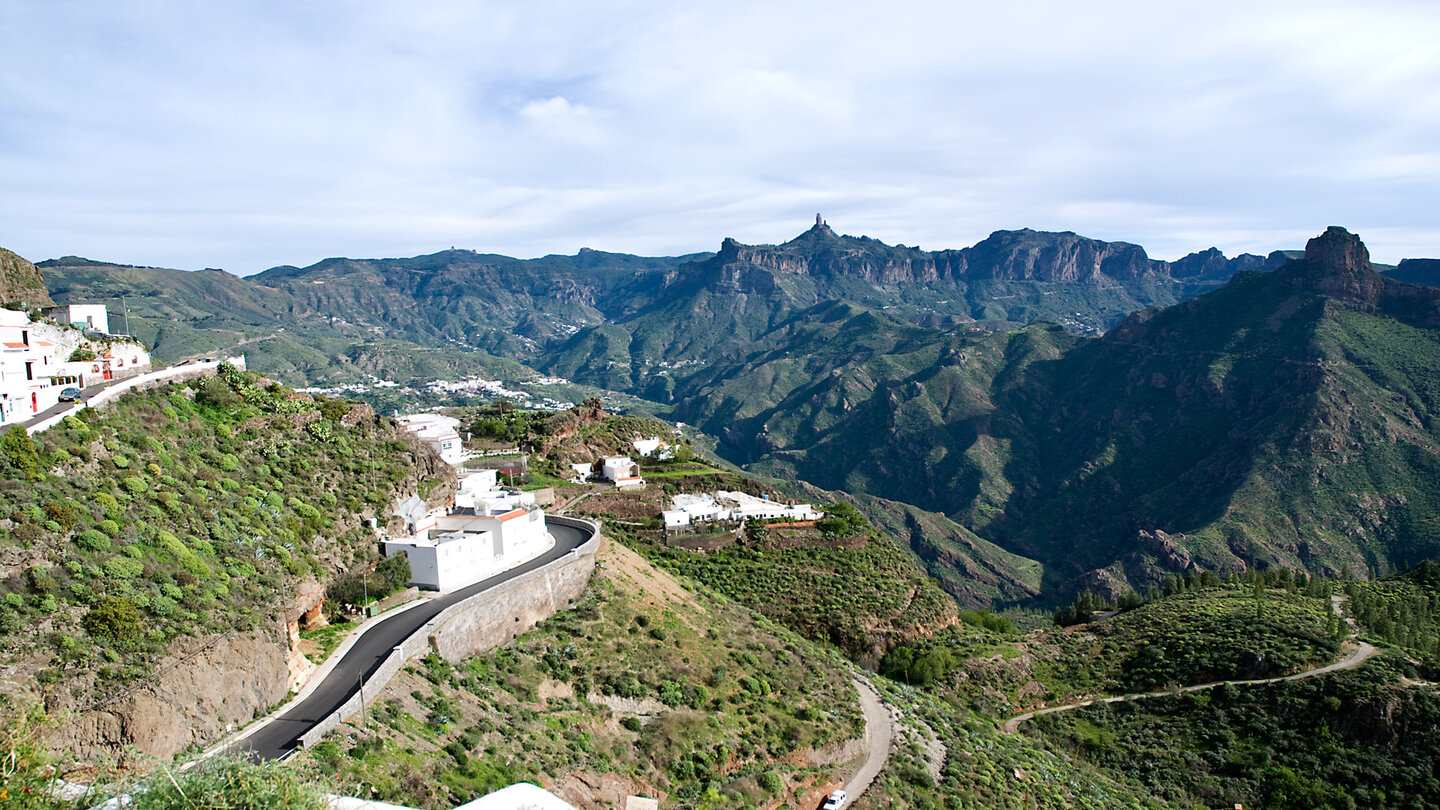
188, 512
1286, 419
643, 684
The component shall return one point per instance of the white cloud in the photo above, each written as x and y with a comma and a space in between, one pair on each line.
257, 133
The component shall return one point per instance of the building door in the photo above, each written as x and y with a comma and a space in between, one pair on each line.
107, 374
34, 402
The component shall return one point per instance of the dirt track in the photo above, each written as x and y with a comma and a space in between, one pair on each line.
1362, 652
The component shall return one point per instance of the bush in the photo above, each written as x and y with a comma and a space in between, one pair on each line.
215, 392
92, 540
82, 355
114, 618
631, 724
20, 451
232, 784
394, 573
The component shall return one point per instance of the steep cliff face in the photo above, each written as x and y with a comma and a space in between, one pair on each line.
21, 281
1337, 265
1023, 255
202, 690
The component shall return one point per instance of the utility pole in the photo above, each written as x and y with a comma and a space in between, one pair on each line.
125, 308
361, 678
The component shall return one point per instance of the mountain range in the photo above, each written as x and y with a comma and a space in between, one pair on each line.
1237, 412
604, 316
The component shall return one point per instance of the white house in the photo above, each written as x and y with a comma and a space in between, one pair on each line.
485, 531
652, 447
622, 472
744, 506
27, 364
582, 472
440, 432
687, 508
92, 317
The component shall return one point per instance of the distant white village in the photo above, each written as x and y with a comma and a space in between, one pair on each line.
472, 386
70, 347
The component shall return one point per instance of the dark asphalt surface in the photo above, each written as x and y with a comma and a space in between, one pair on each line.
283, 734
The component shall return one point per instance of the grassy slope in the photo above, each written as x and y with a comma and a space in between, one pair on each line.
1213, 634
717, 696
1352, 739
864, 599
199, 516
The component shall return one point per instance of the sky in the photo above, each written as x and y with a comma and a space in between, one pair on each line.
244, 134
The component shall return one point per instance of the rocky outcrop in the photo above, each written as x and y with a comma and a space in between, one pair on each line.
1023, 255
1211, 264
1337, 265
203, 689
20, 281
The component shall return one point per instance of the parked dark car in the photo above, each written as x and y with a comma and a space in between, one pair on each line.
69, 394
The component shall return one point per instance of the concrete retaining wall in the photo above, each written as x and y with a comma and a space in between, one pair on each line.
483, 621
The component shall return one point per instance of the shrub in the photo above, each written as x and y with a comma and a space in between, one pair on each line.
217, 394
39, 579
92, 540
123, 567
771, 782
113, 618
394, 572
20, 451
631, 723
232, 784
82, 355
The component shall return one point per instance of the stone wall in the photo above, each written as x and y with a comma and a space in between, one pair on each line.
501, 613
485, 620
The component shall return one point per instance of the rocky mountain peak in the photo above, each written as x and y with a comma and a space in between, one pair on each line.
1337, 265
1338, 250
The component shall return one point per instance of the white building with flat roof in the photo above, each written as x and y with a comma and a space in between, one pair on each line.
91, 317
27, 364
622, 472
744, 506
439, 431
486, 531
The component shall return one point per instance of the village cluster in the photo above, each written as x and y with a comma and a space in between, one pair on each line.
487, 529
45, 361
473, 386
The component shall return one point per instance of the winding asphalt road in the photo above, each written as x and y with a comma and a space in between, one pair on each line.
282, 734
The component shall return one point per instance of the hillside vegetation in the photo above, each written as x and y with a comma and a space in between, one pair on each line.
186, 511
644, 687
1285, 419
1351, 739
